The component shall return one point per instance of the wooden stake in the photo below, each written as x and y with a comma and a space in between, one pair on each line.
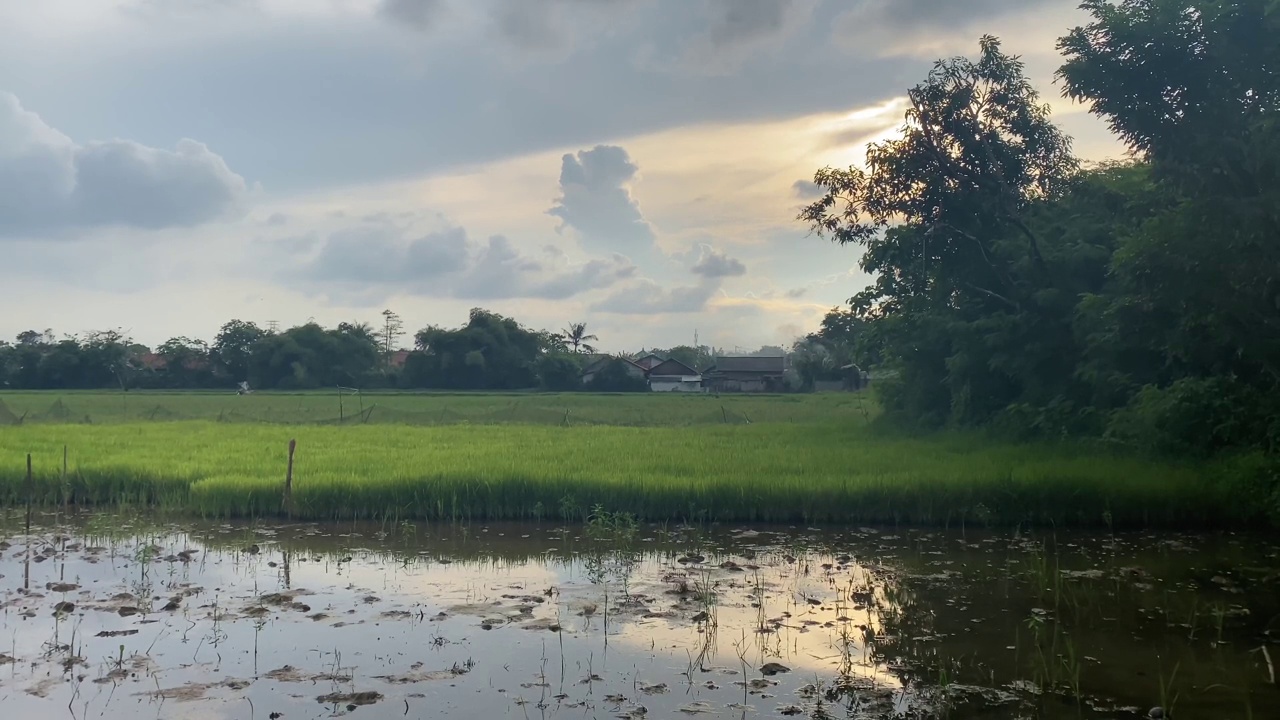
288, 481
29, 489
65, 493
26, 566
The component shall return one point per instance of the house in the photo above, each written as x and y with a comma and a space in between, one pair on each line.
747, 374
598, 363
674, 376
398, 359
649, 362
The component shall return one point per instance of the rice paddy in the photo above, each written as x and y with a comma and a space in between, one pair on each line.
793, 459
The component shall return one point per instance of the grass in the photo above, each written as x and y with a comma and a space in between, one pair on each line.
810, 459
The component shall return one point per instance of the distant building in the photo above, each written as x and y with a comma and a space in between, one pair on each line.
674, 376
399, 358
746, 374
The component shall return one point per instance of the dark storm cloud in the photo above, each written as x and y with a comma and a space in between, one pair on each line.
739, 20
897, 15
50, 185
339, 102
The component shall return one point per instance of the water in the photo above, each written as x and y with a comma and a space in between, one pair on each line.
552, 621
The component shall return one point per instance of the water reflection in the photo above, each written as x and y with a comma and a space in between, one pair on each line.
117, 617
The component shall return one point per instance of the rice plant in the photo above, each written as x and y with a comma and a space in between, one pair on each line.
834, 471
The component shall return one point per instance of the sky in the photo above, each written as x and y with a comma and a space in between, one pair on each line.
168, 165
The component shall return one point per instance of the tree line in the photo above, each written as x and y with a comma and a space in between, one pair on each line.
489, 352
1020, 288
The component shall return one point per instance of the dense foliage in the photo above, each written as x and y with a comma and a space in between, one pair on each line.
489, 352
1017, 288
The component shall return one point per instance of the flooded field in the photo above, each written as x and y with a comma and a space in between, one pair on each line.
125, 617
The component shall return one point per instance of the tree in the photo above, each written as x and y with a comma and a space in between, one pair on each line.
392, 330
1194, 89
186, 362
944, 215
1187, 332
617, 376
233, 347
560, 372
489, 352
577, 338
31, 337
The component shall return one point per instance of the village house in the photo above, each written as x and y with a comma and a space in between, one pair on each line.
674, 376
747, 374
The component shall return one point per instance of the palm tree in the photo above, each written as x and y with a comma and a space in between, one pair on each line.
576, 337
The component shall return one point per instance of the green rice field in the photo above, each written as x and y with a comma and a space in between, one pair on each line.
421, 408
798, 459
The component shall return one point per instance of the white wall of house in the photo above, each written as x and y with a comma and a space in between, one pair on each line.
674, 383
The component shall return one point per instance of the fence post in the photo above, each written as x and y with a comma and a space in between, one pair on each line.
65, 491
288, 481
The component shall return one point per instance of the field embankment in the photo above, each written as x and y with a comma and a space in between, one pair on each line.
833, 470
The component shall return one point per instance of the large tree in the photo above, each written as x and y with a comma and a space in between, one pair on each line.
944, 214
1193, 88
233, 347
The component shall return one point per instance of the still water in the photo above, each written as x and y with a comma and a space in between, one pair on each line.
110, 616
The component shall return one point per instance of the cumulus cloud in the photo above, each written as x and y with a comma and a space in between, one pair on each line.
713, 264
647, 297
595, 201
368, 263
49, 184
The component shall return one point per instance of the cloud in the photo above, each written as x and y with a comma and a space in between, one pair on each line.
417, 14
368, 263
714, 264
647, 297
807, 189
49, 184
595, 200
737, 30
747, 20
912, 27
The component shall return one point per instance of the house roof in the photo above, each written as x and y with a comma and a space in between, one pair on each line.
672, 367
762, 365
649, 361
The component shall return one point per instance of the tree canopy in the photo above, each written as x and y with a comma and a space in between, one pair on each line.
1017, 287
